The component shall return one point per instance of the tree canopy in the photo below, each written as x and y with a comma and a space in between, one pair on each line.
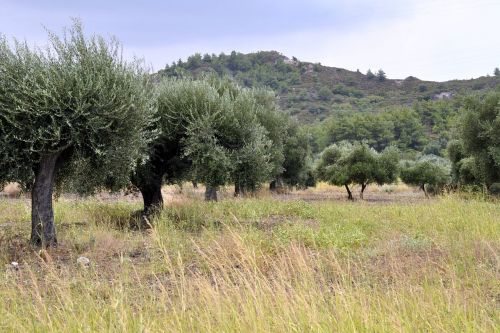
400, 127
479, 131
213, 131
430, 173
72, 107
475, 152
347, 163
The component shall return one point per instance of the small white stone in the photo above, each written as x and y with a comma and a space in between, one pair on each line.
13, 266
84, 261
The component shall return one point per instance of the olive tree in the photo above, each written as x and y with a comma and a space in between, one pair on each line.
463, 167
479, 135
75, 104
356, 163
290, 150
297, 164
231, 146
430, 173
255, 117
255, 157
276, 124
182, 105
330, 167
209, 132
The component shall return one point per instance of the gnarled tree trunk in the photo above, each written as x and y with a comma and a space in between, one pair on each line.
152, 197
43, 231
349, 193
211, 193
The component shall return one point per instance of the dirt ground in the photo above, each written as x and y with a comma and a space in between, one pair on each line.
374, 194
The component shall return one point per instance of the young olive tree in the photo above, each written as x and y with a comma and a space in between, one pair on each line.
430, 173
357, 163
74, 105
331, 168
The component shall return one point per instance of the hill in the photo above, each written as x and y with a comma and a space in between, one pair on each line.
312, 92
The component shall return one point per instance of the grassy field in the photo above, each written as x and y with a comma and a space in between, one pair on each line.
257, 265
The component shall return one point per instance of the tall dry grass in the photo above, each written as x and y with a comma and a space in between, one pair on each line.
258, 265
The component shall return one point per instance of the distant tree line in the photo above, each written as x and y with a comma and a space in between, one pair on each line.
424, 127
469, 147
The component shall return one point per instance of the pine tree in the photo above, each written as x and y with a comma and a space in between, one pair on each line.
370, 75
381, 75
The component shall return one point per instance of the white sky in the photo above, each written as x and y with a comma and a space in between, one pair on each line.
430, 39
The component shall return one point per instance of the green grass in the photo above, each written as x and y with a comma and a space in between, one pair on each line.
257, 265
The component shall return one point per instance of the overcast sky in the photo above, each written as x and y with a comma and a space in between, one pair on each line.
431, 39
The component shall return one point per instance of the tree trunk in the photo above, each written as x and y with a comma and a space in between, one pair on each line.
422, 187
239, 190
349, 193
276, 185
211, 193
43, 231
152, 197
273, 186
363, 187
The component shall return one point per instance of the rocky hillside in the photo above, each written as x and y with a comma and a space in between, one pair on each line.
312, 92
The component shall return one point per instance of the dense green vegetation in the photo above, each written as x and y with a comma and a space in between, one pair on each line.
476, 152
314, 92
337, 104
420, 118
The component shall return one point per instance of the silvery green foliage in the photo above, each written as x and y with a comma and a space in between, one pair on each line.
254, 157
438, 160
429, 172
79, 97
185, 107
356, 163
297, 162
229, 143
276, 124
214, 125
